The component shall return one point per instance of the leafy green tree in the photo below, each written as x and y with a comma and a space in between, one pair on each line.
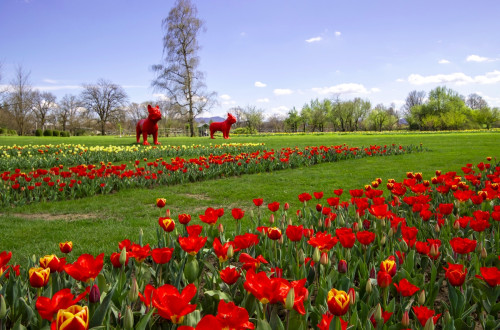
487, 117
293, 120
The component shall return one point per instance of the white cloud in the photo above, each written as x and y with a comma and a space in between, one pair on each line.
282, 91
444, 61
458, 78
283, 110
161, 97
337, 33
348, 88
315, 39
264, 100
225, 97
50, 81
374, 90
58, 87
259, 84
400, 80
477, 58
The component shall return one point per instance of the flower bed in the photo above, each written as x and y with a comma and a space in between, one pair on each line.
401, 254
59, 182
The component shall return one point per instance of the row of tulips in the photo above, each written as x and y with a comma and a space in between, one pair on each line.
58, 183
413, 254
46, 156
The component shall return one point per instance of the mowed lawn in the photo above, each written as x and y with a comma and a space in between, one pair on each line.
97, 224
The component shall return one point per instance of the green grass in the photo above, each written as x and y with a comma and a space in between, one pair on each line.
97, 224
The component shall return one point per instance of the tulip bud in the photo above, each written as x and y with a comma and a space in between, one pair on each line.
95, 294
316, 255
133, 294
434, 251
123, 257
324, 259
302, 257
342, 267
141, 233
3, 307
429, 325
251, 213
191, 270
405, 320
355, 227
220, 228
378, 314
403, 246
271, 219
286, 206
352, 296
290, 299
320, 223
348, 254
128, 319
391, 233
421, 297
484, 254
382, 241
437, 229
167, 213
446, 317
372, 273
289, 221
230, 251
368, 286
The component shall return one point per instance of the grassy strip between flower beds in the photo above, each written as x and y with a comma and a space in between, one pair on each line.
427, 253
60, 183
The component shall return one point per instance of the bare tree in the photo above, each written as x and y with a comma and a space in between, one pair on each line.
43, 104
476, 102
179, 76
105, 99
67, 112
253, 118
414, 98
20, 100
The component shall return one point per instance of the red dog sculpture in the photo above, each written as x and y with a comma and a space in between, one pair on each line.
223, 126
149, 126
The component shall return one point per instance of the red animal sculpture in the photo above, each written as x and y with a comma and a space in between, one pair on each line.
149, 126
223, 126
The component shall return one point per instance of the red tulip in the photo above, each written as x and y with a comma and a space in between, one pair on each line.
273, 207
184, 218
245, 241
147, 297
85, 268
192, 244
389, 265
140, 253
237, 213
66, 247
463, 245
304, 197
455, 273
365, 237
490, 275
423, 314
294, 233
62, 299
173, 305
230, 316
318, 195
126, 243
385, 315
166, 223
384, 279
5, 258
194, 230
327, 318
445, 209
405, 288
338, 302
258, 201
210, 217
346, 237
115, 259
251, 263
379, 211
162, 255
229, 275
39, 277
323, 241
221, 250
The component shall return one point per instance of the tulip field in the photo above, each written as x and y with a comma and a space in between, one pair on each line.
297, 232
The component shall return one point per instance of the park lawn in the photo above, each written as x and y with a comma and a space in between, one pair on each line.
98, 223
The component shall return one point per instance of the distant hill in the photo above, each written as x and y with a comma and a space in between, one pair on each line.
207, 120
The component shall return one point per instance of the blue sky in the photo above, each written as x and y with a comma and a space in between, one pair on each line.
272, 54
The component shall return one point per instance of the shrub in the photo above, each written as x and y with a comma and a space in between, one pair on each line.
3, 131
12, 132
38, 132
56, 133
47, 132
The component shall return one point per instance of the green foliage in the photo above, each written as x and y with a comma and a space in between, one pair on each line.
56, 133
48, 132
243, 130
3, 131
38, 132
